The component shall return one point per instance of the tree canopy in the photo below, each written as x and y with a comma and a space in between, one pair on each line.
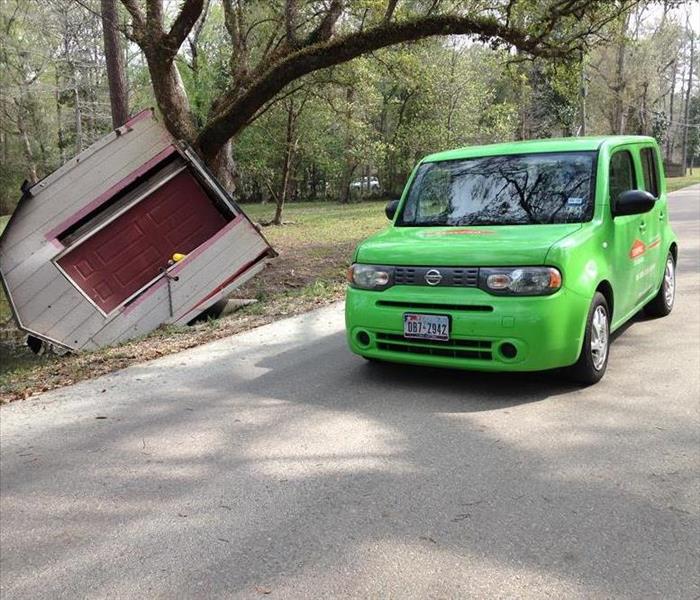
273, 44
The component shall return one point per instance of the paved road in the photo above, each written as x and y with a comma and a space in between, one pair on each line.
275, 462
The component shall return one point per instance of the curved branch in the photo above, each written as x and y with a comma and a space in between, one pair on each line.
236, 110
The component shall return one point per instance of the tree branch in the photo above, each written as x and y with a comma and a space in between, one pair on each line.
154, 15
275, 101
233, 20
236, 110
183, 24
324, 30
390, 7
138, 20
291, 12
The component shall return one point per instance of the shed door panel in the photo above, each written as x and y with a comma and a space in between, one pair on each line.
128, 253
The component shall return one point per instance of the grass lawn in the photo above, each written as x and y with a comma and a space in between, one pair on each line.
315, 246
676, 183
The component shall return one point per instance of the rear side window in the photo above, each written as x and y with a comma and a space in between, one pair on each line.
650, 171
621, 174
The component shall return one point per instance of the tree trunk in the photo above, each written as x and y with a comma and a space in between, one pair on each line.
286, 165
26, 144
619, 110
686, 115
59, 121
349, 161
348, 172
669, 136
114, 57
583, 94
78, 122
643, 121
174, 106
224, 168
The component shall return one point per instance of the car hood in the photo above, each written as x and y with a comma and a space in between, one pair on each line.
501, 245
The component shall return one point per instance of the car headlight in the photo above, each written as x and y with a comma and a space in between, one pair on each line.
520, 281
369, 277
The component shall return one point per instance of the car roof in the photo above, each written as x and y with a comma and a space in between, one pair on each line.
571, 144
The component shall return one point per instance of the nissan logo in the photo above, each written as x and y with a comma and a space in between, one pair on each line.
433, 277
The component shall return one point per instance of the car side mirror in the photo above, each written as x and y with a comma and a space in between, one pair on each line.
390, 209
633, 202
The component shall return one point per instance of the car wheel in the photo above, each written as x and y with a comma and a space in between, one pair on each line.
593, 360
662, 304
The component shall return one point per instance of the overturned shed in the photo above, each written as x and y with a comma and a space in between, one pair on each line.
132, 233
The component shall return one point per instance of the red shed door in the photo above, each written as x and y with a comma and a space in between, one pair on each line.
123, 257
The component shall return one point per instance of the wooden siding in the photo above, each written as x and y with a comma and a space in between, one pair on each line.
35, 226
236, 249
87, 180
49, 305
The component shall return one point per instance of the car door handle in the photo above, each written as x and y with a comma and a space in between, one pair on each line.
642, 226
661, 216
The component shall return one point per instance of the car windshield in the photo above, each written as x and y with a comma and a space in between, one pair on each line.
502, 190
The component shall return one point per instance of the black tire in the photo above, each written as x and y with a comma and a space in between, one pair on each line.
662, 304
588, 370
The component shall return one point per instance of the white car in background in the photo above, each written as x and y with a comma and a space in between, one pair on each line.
366, 184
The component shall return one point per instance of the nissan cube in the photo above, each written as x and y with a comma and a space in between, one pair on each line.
522, 256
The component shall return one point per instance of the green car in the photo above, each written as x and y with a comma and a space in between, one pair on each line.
521, 256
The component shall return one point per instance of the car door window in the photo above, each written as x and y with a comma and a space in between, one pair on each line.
650, 171
621, 175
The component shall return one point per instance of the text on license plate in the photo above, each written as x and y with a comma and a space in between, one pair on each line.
428, 327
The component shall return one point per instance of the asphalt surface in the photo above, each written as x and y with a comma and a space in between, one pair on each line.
276, 464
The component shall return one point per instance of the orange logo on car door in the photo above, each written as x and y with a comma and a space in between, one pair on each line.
637, 249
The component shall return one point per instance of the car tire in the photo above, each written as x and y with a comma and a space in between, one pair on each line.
662, 304
595, 350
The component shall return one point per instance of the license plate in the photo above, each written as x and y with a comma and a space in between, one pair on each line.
426, 327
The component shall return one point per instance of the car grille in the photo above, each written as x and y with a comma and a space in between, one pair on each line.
454, 348
435, 306
451, 276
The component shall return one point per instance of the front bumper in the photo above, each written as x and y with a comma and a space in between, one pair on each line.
546, 331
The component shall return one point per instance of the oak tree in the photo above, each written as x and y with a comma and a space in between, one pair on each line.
272, 44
